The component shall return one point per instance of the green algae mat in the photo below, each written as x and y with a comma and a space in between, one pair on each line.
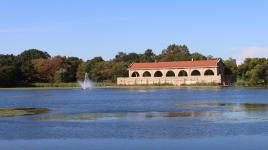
11, 112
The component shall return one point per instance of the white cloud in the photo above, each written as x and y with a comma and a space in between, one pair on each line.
254, 52
248, 52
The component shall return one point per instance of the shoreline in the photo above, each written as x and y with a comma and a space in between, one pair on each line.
125, 87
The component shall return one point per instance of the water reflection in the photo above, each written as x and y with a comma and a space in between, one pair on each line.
246, 107
129, 115
140, 90
233, 112
215, 112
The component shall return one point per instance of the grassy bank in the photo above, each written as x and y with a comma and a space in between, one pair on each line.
44, 86
62, 85
47, 86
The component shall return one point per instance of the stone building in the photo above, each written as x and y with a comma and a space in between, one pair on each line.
176, 73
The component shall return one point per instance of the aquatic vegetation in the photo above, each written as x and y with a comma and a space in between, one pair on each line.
254, 107
190, 114
213, 104
81, 116
10, 112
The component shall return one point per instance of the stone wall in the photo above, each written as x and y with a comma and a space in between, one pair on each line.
168, 80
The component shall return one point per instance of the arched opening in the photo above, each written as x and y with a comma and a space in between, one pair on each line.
170, 74
135, 74
146, 74
183, 73
158, 74
209, 73
195, 73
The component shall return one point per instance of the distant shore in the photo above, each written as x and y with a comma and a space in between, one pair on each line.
51, 86
47, 86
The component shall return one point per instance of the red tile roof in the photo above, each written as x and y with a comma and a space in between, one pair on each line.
175, 64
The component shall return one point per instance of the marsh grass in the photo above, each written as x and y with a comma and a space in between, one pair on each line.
73, 84
11, 112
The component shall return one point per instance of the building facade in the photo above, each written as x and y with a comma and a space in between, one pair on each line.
176, 73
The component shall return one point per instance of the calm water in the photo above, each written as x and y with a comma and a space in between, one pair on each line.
137, 119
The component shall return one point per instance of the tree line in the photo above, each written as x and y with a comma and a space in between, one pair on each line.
36, 66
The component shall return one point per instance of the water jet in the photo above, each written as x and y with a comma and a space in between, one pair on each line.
86, 84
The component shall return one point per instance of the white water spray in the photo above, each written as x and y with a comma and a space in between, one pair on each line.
86, 84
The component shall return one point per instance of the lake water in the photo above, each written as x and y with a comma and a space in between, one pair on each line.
137, 118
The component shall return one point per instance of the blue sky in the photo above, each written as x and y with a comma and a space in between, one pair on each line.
87, 28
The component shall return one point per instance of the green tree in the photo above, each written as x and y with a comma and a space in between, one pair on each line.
230, 69
130, 57
28, 72
81, 70
148, 56
7, 75
71, 65
210, 57
61, 76
119, 70
91, 64
101, 71
121, 56
254, 71
174, 48
31, 54
198, 56
8, 71
175, 53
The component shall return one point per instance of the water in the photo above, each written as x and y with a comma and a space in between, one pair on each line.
137, 118
86, 84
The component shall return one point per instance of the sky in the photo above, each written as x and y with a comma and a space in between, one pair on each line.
89, 28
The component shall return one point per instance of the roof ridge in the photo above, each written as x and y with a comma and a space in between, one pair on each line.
176, 61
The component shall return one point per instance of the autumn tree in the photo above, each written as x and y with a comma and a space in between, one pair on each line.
46, 68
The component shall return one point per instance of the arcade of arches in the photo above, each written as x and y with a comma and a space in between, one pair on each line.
171, 75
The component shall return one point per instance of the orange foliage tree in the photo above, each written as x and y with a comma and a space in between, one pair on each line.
46, 68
